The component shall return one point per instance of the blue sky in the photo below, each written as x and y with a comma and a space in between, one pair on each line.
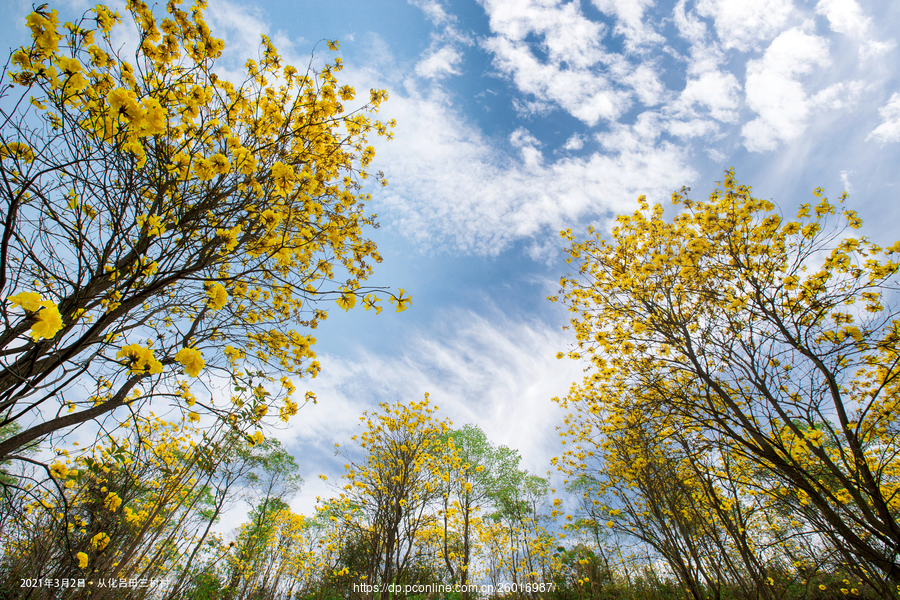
517, 118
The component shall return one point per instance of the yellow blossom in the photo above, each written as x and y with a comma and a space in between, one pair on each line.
140, 359
112, 501
218, 296
100, 541
191, 359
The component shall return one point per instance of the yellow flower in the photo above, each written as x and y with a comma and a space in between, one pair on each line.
30, 301
218, 297
106, 18
233, 354
140, 359
288, 410
154, 121
219, 163
48, 320
823, 587
284, 178
244, 160
347, 299
112, 501
100, 541
191, 359
230, 237
203, 169
156, 226
401, 302
48, 323
82, 560
123, 102
270, 219
16, 150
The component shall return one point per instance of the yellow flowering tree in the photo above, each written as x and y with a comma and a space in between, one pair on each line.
772, 336
164, 223
121, 508
387, 501
144, 506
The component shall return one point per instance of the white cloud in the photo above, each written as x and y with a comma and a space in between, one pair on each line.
552, 52
841, 95
691, 128
434, 10
645, 82
845, 180
527, 144
705, 54
716, 156
452, 187
889, 130
576, 142
439, 63
241, 26
567, 34
846, 17
717, 91
444, 54
743, 25
774, 92
586, 95
689, 26
630, 14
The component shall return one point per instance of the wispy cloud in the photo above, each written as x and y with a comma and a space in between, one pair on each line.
889, 130
847, 17
445, 53
453, 187
630, 21
457, 188
440, 62
495, 372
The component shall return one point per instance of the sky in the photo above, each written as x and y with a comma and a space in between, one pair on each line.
518, 118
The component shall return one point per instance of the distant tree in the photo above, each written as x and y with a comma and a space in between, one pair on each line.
389, 495
269, 483
474, 473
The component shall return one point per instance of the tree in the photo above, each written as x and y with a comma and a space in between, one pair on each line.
774, 336
162, 223
474, 473
127, 508
271, 482
388, 497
